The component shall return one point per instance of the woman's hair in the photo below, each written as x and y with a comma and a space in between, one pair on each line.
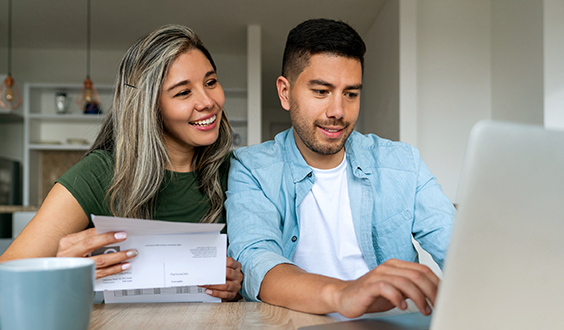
133, 130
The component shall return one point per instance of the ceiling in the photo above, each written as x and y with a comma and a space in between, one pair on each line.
221, 24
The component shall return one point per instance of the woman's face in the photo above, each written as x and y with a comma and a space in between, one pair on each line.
191, 103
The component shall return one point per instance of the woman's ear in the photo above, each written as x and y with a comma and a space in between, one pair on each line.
283, 86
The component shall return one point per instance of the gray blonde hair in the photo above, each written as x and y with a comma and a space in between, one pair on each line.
133, 130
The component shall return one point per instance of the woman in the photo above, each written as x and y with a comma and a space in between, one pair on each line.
162, 153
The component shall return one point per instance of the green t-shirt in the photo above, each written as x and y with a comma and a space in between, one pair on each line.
179, 198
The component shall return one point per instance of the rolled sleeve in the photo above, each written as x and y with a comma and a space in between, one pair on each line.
253, 228
434, 213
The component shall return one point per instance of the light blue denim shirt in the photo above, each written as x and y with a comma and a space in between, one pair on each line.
393, 196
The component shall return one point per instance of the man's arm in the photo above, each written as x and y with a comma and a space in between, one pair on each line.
433, 213
385, 287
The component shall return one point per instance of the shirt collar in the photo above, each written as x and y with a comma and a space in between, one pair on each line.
300, 169
298, 166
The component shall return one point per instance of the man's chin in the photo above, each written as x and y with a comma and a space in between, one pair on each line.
328, 149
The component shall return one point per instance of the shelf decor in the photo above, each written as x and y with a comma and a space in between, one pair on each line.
10, 97
88, 98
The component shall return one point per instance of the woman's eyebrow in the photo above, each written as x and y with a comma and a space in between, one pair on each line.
187, 81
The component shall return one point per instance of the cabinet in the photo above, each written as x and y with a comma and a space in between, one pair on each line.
45, 130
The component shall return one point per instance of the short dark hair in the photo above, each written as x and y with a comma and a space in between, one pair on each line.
316, 36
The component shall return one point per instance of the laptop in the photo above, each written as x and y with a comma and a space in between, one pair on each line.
505, 264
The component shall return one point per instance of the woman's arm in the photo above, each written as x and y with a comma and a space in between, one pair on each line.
58, 230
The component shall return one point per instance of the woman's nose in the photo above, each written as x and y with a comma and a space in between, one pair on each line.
204, 102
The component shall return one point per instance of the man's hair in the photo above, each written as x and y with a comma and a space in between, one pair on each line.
134, 128
317, 36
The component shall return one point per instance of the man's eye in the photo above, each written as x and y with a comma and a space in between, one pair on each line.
352, 95
321, 92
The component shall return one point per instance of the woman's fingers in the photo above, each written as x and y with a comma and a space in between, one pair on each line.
114, 269
83, 243
109, 259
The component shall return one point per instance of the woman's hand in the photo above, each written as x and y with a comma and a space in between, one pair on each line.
230, 290
83, 243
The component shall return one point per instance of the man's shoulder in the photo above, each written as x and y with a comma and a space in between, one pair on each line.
381, 152
266, 153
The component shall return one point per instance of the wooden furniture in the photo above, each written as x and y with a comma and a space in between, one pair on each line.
237, 315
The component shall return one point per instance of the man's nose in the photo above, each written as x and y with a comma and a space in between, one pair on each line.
336, 109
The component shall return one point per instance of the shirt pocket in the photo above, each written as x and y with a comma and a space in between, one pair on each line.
392, 224
392, 238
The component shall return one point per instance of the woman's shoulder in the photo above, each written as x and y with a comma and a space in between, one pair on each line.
98, 163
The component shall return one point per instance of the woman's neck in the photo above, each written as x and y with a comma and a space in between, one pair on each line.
180, 158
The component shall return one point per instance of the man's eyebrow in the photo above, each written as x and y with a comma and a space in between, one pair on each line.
320, 82
314, 82
186, 81
357, 86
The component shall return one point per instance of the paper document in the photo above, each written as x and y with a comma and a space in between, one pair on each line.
171, 254
177, 294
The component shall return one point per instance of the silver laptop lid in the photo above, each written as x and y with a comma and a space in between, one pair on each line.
505, 265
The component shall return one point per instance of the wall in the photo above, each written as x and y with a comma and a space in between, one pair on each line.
517, 60
454, 89
380, 96
554, 64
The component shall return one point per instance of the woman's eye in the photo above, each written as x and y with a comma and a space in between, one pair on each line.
211, 83
182, 93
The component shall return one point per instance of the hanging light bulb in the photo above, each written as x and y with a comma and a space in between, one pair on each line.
10, 97
88, 98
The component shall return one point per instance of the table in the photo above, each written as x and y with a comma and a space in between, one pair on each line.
165, 316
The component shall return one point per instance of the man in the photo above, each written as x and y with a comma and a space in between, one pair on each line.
321, 219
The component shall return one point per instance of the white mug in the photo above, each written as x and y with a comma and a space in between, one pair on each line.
46, 293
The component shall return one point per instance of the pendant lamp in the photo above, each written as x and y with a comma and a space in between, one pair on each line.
10, 97
88, 98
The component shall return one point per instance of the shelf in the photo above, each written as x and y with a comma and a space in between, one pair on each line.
58, 147
67, 117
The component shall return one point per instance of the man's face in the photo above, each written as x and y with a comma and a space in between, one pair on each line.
323, 102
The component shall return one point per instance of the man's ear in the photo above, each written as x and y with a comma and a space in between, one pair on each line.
283, 86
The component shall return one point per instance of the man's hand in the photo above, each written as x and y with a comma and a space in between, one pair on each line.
230, 290
385, 287
83, 243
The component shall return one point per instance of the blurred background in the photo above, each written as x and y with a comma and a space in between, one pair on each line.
433, 69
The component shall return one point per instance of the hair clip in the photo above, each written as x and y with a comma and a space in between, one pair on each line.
128, 85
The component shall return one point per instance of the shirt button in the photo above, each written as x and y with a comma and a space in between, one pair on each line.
309, 175
294, 239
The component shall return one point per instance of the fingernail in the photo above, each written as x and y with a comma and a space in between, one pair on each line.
428, 310
125, 266
208, 291
403, 305
120, 235
131, 253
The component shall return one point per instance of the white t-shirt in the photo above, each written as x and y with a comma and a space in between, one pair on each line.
328, 244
